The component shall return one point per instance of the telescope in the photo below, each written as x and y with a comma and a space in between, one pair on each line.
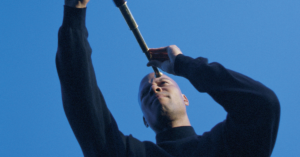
122, 5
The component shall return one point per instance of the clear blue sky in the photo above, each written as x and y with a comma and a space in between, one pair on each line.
260, 39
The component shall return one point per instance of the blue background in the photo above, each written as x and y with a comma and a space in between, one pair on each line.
260, 39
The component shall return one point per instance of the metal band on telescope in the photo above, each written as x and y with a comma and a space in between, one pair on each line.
122, 5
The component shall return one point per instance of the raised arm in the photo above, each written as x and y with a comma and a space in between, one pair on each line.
76, 3
84, 105
250, 128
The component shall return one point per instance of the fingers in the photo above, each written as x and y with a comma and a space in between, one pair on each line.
154, 63
161, 49
164, 58
159, 57
159, 54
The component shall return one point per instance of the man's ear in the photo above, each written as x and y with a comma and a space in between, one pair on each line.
145, 122
186, 100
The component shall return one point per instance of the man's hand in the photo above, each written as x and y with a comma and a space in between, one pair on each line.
76, 3
164, 58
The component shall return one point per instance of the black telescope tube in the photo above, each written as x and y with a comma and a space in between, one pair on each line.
118, 3
121, 4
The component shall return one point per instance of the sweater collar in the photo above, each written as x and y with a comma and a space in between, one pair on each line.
174, 134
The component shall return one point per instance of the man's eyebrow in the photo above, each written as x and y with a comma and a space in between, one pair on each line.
165, 79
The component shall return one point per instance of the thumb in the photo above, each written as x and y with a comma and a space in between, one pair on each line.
154, 63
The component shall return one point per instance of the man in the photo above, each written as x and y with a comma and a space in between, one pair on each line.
250, 128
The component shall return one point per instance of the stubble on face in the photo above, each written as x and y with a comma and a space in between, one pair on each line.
160, 106
157, 89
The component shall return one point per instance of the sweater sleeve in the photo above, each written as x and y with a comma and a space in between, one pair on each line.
84, 105
251, 126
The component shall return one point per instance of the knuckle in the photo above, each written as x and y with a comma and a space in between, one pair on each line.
173, 46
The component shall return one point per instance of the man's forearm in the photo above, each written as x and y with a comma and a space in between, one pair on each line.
253, 109
75, 72
214, 79
84, 104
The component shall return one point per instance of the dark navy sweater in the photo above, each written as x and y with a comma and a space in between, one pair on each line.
250, 128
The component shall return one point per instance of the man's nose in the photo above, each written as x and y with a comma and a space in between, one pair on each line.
155, 89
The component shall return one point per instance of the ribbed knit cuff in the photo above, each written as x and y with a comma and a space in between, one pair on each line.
182, 65
74, 17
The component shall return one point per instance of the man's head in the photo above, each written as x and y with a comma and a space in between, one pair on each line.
162, 103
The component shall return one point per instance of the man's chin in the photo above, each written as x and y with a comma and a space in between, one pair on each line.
156, 103
164, 107
161, 102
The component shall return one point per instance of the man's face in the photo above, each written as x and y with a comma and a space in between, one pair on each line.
161, 101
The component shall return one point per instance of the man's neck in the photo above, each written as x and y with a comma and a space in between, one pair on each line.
174, 124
